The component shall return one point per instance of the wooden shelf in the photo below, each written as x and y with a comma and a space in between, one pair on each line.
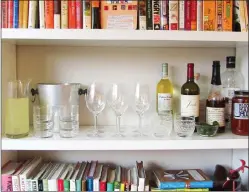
124, 38
81, 142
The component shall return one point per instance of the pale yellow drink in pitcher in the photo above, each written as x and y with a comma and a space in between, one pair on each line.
17, 117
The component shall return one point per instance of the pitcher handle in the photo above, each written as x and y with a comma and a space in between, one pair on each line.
34, 92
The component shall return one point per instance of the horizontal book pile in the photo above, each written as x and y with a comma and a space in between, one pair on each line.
190, 15
38, 175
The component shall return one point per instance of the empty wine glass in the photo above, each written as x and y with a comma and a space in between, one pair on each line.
142, 104
95, 102
117, 101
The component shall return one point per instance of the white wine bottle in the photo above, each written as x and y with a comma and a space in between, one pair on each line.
164, 93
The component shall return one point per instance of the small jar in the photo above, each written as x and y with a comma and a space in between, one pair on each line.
240, 118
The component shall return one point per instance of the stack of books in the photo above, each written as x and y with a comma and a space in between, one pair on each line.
38, 175
190, 15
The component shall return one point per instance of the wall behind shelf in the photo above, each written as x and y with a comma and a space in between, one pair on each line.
120, 65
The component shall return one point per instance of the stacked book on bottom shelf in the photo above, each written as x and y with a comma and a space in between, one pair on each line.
38, 175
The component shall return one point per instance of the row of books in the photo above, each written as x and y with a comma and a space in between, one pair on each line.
38, 175
193, 15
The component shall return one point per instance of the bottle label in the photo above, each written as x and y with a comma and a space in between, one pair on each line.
228, 94
240, 111
190, 105
164, 102
215, 114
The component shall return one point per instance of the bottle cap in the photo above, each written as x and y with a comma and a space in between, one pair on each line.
216, 63
190, 64
231, 62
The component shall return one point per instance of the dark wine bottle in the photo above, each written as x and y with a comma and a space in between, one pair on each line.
95, 14
190, 95
215, 105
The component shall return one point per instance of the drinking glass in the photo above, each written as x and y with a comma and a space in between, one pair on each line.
117, 101
163, 125
95, 102
184, 126
43, 121
142, 104
69, 121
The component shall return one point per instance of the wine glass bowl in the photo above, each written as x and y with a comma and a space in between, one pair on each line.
95, 102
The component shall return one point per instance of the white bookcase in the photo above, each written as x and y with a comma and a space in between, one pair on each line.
121, 56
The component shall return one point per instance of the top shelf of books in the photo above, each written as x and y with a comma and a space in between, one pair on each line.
124, 38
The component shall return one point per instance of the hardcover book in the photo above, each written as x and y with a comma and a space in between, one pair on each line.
180, 179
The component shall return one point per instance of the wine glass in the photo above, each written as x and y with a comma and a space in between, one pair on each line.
142, 104
117, 101
95, 102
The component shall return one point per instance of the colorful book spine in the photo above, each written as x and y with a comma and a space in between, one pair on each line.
20, 18
32, 14
110, 187
60, 185
87, 15
182, 185
165, 14
187, 24
102, 185
6, 183
72, 14
246, 14
227, 21
49, 14
219, 16
10, 13
40, 185
156, 14
42, 14
142, 14
242, 16
89, 184
149, 16
199, 15
209, 14
57, 14
66, 185
25, 14
193, 15
15, 14
64, 14
116, 186
78, 14
182, 15
78, 184
4, 13
173, 14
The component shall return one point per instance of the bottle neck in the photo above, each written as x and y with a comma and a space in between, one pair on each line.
164, 75
165, 71
190, 74
216, 80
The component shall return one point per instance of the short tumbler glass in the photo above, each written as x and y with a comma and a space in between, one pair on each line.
43, 121
69, 121
184, 126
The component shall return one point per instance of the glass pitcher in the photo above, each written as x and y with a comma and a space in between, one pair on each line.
17, 109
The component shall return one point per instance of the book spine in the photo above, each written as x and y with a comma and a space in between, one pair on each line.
127, 186
78, 14
72, 185
116, 186
66, 185
142, 14
193, 15
20, 17
45, 184
57, 14
15, 14
49, 14
173, 14
22, 182
42, 14
15, 183
87, 15
110, 187
219, 16
246, 14
199, 15
6, 183
32, 14
78, 185
37, 20
10, 13
242, 16
64, 14
40, 185
187, 15
60, 184
72, 14
28, 185
102, 186
35, 185
149, 18
96, 185
165, 14
227, 21
89, 184
25, 14
4, 12
156, 14
209, 15
181, 15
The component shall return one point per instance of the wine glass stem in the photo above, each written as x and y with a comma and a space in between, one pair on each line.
118, 123
140, 122
95, 123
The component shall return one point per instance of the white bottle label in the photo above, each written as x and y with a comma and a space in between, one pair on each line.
240, 111
190, 105
215, 114
164, 102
